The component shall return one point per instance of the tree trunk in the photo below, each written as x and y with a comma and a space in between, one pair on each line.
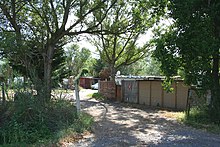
215, 90
3, 93
112, 69
48, 73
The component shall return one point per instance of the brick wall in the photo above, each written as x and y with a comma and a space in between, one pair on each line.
108, 89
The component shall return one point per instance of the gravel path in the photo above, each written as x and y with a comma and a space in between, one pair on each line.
119, 125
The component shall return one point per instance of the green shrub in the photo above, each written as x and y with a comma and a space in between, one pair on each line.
80, 125
98, 96
27, 121
198, 115
200, 118
83, 123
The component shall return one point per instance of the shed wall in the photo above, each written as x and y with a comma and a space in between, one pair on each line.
130, 91
118, 93
145, 92
169, 98
151, 93
182, 93
156, 93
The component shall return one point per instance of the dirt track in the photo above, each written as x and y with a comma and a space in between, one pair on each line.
119, 125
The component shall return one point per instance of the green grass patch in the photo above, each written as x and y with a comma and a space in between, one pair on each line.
199, 118
98, 96
63, 91
27, 122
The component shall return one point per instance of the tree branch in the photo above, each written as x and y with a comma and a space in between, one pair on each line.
44, 19
86, 14
54, 14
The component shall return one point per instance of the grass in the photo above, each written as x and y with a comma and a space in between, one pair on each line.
63, 91
98, 96
26, 122
198, 118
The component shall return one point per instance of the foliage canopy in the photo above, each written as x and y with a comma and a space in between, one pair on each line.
191, 44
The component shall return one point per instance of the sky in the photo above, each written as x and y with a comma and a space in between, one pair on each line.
141, 41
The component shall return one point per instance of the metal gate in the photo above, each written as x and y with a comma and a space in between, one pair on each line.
130, 91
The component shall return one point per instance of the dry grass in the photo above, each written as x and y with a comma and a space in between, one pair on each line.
173, 115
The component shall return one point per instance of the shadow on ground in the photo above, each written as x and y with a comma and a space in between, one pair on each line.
121, 125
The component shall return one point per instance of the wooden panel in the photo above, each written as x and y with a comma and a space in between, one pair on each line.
118, 93
169, 98
130, 93
144, 92
182, 93
156, 93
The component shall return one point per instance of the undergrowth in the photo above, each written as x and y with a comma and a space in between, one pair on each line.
98, 96
199, 118
26, 121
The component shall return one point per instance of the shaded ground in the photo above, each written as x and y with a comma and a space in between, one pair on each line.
119, 125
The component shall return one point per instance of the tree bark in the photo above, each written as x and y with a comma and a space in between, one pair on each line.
3, 93
215, 90
112, 72
48, 58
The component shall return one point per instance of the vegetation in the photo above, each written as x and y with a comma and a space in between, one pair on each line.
32, 39
146, 66
34, 31
127, 21
191, 45
98, 96
27, 121
77, 59
199, 118
98, 66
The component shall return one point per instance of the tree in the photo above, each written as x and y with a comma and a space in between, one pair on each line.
40, 26
127, 21
192, 45
97, 66
76, 59
148, 66
5, 75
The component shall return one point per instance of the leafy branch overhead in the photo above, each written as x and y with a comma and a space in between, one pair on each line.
191, 46
127, 20
39, 29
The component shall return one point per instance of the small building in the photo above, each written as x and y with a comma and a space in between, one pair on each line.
86, 82
149, 91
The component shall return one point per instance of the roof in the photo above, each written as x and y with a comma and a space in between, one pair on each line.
119, 78
140, 77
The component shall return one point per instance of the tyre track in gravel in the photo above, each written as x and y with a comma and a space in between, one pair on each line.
120, 125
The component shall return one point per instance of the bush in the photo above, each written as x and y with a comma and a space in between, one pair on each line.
200, 118
98, 96
198, 115
27, 121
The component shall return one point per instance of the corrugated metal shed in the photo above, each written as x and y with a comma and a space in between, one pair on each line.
130, 91
148, 90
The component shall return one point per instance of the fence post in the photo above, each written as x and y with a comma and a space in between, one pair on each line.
188, 105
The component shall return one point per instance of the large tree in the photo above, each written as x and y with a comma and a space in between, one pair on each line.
39, 27
128, 20
192, 45
77, 59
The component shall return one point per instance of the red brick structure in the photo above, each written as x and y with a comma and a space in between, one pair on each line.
108, 89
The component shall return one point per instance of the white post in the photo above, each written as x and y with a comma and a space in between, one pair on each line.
77, 96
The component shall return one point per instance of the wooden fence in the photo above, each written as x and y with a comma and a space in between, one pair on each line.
146, 92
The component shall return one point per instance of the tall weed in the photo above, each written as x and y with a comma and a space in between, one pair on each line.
27, 121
